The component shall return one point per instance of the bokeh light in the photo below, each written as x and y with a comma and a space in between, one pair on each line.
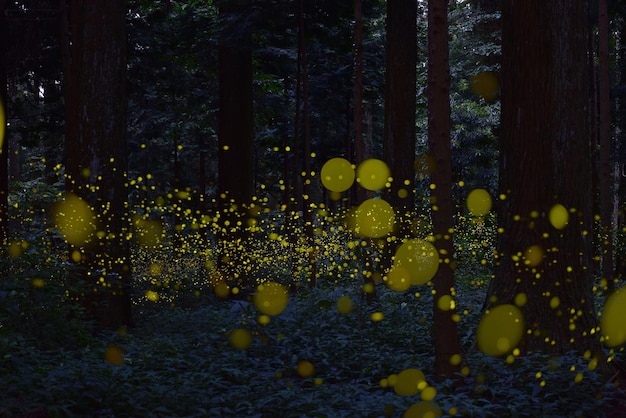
240, 338
306, 368
337, 174
559, 216
271, 298
420, 258
374, 218
373, 174
398, 278
479, 202
500, 330
485, 84
612, 322
114, 355
423, 410
345, 304
408, 381
73, 217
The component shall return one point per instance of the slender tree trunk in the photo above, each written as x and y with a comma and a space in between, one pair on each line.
445, 330
546, 149
605, 181
4, 146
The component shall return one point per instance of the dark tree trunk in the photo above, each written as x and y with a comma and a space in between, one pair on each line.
606, 180
4, 146
546, 161
96, 157
235, 136
445, 330
400, 102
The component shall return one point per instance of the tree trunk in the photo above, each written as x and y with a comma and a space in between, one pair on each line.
96, 157
604, 139
546, 161
400, 102
235, 137
4, 148
445, 330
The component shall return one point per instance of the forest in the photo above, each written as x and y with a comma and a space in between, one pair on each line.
312, 208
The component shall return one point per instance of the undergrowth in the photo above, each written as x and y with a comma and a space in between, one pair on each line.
178, 362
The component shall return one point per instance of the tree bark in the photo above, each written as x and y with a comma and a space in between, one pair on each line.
606, 180
4, 146
546, 161
445, 330
235, 137
400, 102
95, 146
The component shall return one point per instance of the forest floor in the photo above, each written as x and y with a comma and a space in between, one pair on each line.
309, 361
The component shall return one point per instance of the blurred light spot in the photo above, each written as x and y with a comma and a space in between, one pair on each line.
337, 175
372, 174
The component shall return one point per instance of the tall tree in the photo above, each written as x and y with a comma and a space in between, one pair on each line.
445, 331
400, 102
543, 266
4, 148
606, 181
95, 145
235, 131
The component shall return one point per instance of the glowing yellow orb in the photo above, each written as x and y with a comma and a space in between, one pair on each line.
337, 174
612, 323
424, 409
398, 278
533, 255
445, 303
479, 202
373, 174
428, 394
306, 368
114, 355
559, 216
500, 330
74, 219
420, 258
374, 218
271, 298
345, 304
377, 316
407, 382
485, 84
240, 338
221, 290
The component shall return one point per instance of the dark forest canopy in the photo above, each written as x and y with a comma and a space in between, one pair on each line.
461, 158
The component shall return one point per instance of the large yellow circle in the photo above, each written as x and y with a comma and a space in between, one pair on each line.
612, 322
271, 298
373, 174
75, 219
479, 202
559, 216
500, 330
337, 174
374, 218
420, 258
408, 381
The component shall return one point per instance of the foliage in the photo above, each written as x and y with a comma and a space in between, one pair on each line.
179, 363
